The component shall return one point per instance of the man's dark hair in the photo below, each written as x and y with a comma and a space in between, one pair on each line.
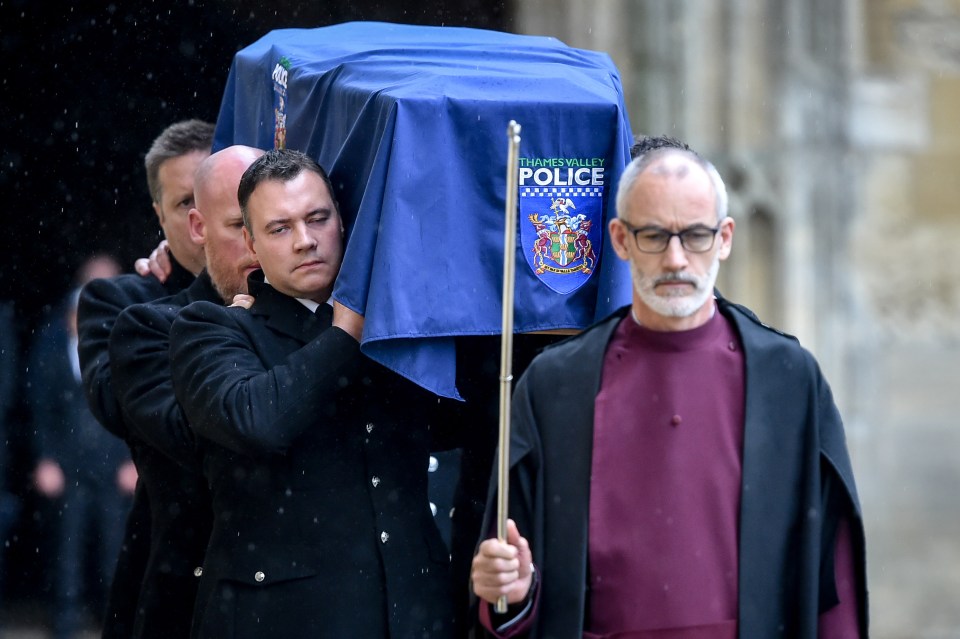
177, 139
281, 165
645, 143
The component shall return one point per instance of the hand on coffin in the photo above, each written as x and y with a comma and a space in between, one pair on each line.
348, 320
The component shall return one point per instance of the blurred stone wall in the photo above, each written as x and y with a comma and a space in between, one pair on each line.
762, 89
906, 120
836, 125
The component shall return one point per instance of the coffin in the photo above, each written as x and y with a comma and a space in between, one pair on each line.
410, 122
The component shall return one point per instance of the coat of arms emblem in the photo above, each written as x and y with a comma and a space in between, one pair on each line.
560, 234
280, 77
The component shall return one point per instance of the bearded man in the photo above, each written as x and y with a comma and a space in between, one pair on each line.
678, 470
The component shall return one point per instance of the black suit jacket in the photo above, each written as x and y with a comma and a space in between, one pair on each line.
170, 469
101, 302
317, 460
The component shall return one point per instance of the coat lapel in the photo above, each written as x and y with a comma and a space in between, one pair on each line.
283, 314
780, 506
568, 475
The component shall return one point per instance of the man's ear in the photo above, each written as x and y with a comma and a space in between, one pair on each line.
159, 211
248, 240
197, 226
726, 237
618, 238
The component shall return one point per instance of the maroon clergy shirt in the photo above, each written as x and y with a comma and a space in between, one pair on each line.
665, 491
665, 481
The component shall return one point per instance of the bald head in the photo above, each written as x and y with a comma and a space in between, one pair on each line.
671, 168
218, 176
216, 221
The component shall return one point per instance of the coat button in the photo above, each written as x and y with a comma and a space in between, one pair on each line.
259, 576
198, 571
375, 481
384, 537
433, 464
370, 427
433, 508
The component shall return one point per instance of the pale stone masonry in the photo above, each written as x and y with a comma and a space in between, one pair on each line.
836, 125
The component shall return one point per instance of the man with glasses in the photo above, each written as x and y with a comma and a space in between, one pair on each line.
678, 470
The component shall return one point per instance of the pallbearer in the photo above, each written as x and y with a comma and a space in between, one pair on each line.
170, 468
409, 121
170, 164
316, 456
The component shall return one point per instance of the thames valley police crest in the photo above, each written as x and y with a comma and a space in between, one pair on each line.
280, 76
561, 218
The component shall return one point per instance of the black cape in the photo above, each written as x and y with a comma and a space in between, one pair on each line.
797, 481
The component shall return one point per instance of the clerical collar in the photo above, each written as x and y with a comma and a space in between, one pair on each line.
310, 304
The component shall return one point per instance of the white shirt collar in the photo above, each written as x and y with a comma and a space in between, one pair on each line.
310, 304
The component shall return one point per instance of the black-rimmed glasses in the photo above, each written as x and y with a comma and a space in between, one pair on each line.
655, 239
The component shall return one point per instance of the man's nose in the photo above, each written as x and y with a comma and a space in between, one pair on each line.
675, 256
303, 239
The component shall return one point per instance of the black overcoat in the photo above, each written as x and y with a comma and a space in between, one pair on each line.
797, 481
167, 460
101, 302
317, 462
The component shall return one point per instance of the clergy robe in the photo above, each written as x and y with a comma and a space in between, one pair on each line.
797, 482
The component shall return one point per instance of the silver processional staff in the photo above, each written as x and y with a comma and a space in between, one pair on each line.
506, 342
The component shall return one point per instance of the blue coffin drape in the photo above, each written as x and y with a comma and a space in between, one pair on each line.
410, 122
